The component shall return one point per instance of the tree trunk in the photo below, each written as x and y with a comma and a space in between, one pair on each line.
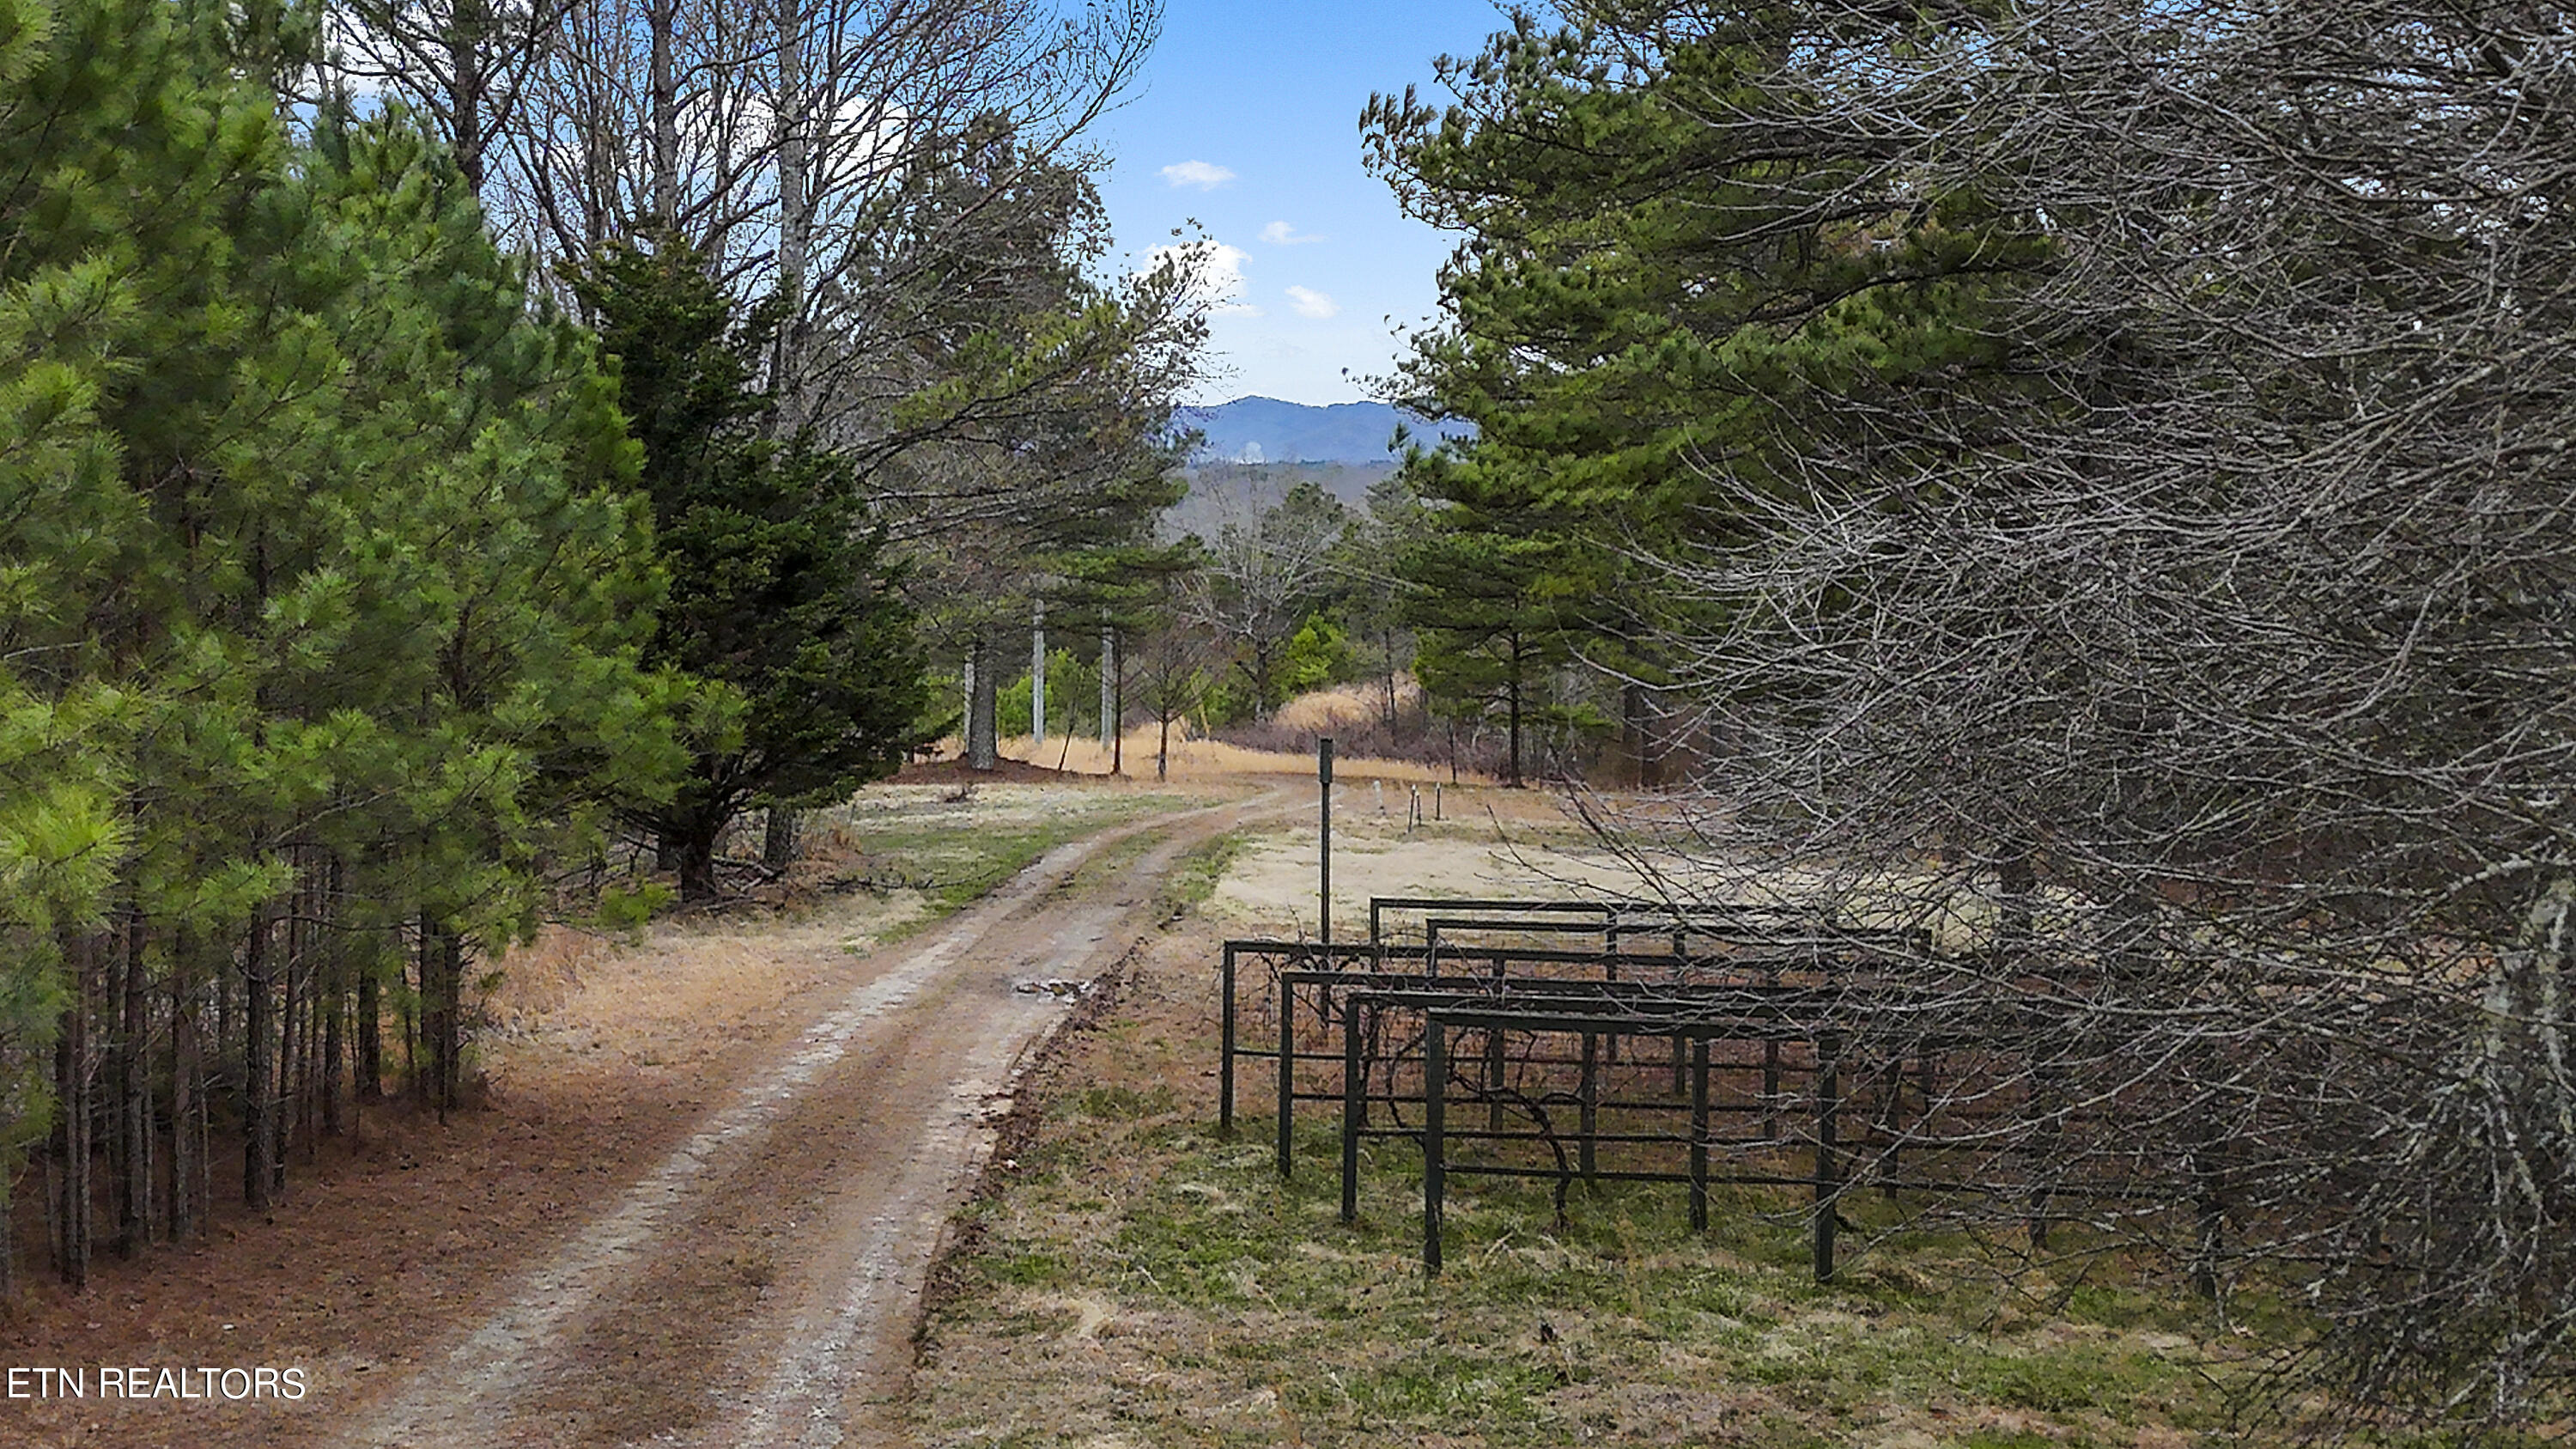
795, 218
442, 973
407, 1007
1512, 708
371, 1034
661, 20
1163, 747
1632, 715
1386, 648
134, 1059
290, 1030
1260, 682
450, 1043
983, 746
420, 1062
599, 149
72, 1139
186, 1088
1118, 730
779, 839
259, 1106
226, 1010
112, 1110
335, 1007
1108, 689
698, 866
466, 36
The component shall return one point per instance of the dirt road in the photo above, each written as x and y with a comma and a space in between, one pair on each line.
759, 1285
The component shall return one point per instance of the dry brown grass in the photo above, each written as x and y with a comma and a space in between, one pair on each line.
1206, 761
1346, 707
602, 1008
575, 1004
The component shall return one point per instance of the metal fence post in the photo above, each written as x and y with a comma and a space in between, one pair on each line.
1324, 821
1225, 1044
1435, 1072
1591, 1103
1354, 1110
1828, 1161
1699, 1135
1287, 1069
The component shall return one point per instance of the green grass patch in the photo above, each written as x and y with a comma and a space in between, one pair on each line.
1541, 1332
956, 859
1194, 878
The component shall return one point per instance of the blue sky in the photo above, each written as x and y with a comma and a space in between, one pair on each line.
1265, 99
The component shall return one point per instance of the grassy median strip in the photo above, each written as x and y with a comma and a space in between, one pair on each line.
954, 852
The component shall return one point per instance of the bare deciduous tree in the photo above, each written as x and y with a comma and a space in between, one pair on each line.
1264, 575
2203, 671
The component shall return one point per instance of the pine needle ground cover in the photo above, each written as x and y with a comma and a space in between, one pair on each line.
1133, 1278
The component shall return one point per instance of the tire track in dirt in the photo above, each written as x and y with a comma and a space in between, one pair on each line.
758, 1286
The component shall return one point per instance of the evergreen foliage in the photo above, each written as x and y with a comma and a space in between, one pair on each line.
321, 583
780, 592
1664, 279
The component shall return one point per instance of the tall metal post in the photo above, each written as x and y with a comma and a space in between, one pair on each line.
1589, 1095
1324, 881
1287, 1072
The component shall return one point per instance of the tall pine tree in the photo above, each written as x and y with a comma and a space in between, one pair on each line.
780, 592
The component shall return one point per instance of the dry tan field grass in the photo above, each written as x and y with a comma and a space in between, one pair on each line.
1205, 761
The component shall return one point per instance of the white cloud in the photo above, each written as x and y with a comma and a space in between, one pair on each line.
1311, 303
1281, 234
1201, 174
1215, 273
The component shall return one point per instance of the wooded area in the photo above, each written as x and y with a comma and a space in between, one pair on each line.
418, 508
2096, 479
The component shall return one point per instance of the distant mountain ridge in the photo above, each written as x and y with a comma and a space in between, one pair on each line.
1266, 430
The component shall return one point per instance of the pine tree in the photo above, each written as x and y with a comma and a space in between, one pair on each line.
780, 592
323, 591
1664, 280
